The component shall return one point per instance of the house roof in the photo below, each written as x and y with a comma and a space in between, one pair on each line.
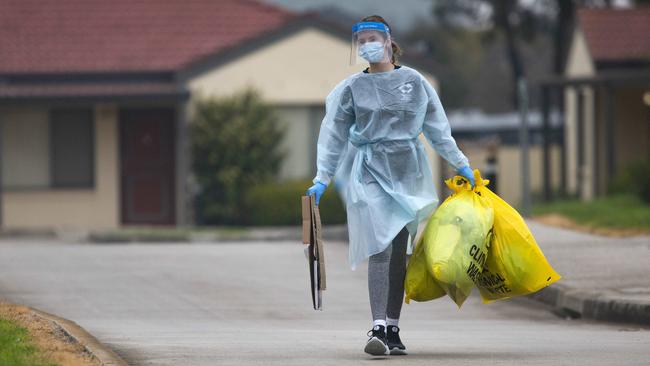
83, 36
617, 35
80, 49
156, 90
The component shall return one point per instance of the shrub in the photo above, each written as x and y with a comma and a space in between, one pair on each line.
635, 179
235, 145
279, 204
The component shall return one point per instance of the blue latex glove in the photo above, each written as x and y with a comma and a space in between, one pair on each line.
317, 189
467, 173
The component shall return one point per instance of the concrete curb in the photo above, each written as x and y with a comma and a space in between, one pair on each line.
606, 305
156, 235
268, 234
71, 329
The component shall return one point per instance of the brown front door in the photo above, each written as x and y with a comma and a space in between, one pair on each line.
147, 166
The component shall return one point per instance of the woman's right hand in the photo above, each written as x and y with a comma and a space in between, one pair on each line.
467, 173
317, 189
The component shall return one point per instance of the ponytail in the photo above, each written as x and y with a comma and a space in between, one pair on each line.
397, 50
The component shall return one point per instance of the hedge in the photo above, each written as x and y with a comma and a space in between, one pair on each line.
278, 204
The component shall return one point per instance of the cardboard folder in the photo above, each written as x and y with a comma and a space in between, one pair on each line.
311, 236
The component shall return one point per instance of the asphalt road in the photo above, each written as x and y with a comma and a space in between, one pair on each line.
248, 304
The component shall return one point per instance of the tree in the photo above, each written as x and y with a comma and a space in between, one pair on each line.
520, 19
235, 145
514, 20
456, 56
562, 34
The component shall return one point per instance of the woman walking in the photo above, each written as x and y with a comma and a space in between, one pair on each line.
369, 141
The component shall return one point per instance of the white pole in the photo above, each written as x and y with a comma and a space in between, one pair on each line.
522, 90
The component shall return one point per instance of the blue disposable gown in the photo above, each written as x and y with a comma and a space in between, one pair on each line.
369, 141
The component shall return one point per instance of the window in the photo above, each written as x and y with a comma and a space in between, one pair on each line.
25, 163
71, 148
47, 149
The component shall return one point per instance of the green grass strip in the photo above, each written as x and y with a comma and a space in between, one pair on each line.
16, 348
617, 212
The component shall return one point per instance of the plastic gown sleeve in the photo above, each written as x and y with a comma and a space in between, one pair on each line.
334, 132
438, 132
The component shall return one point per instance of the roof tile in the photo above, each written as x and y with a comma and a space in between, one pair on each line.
617, 35
125, 35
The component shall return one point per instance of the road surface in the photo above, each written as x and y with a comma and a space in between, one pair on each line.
245, 303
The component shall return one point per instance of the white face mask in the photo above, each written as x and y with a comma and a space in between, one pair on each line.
372, 51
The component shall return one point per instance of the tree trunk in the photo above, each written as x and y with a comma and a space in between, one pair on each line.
563, 34
502, 17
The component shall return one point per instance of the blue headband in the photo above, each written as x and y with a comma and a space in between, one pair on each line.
370, 26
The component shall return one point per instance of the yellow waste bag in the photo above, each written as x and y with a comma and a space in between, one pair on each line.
515, 265
455, 242
419, 285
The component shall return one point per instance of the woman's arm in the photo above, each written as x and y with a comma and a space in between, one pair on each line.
334, 131
438, 132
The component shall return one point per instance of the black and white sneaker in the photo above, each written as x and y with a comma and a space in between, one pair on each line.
377, 345
395, 344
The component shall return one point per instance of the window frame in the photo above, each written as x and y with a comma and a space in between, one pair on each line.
52, 150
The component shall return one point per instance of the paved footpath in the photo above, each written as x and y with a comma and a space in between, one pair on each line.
247, 304
603, 278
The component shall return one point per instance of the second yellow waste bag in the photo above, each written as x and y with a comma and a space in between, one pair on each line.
515, 265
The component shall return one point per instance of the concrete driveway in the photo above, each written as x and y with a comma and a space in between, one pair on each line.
245, 303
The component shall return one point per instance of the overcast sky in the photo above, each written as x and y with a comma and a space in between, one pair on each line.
400, 14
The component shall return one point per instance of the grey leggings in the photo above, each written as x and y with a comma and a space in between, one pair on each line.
386, 271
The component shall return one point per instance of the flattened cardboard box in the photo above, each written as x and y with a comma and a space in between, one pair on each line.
311, 235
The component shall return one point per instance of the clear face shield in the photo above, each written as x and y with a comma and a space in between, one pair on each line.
371, 43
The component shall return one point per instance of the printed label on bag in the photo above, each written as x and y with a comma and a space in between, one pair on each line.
492, 282
481, 274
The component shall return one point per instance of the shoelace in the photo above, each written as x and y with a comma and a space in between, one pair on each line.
395, 336
369, 334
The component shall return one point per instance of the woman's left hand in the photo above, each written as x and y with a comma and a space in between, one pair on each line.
467, 173
318, 189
